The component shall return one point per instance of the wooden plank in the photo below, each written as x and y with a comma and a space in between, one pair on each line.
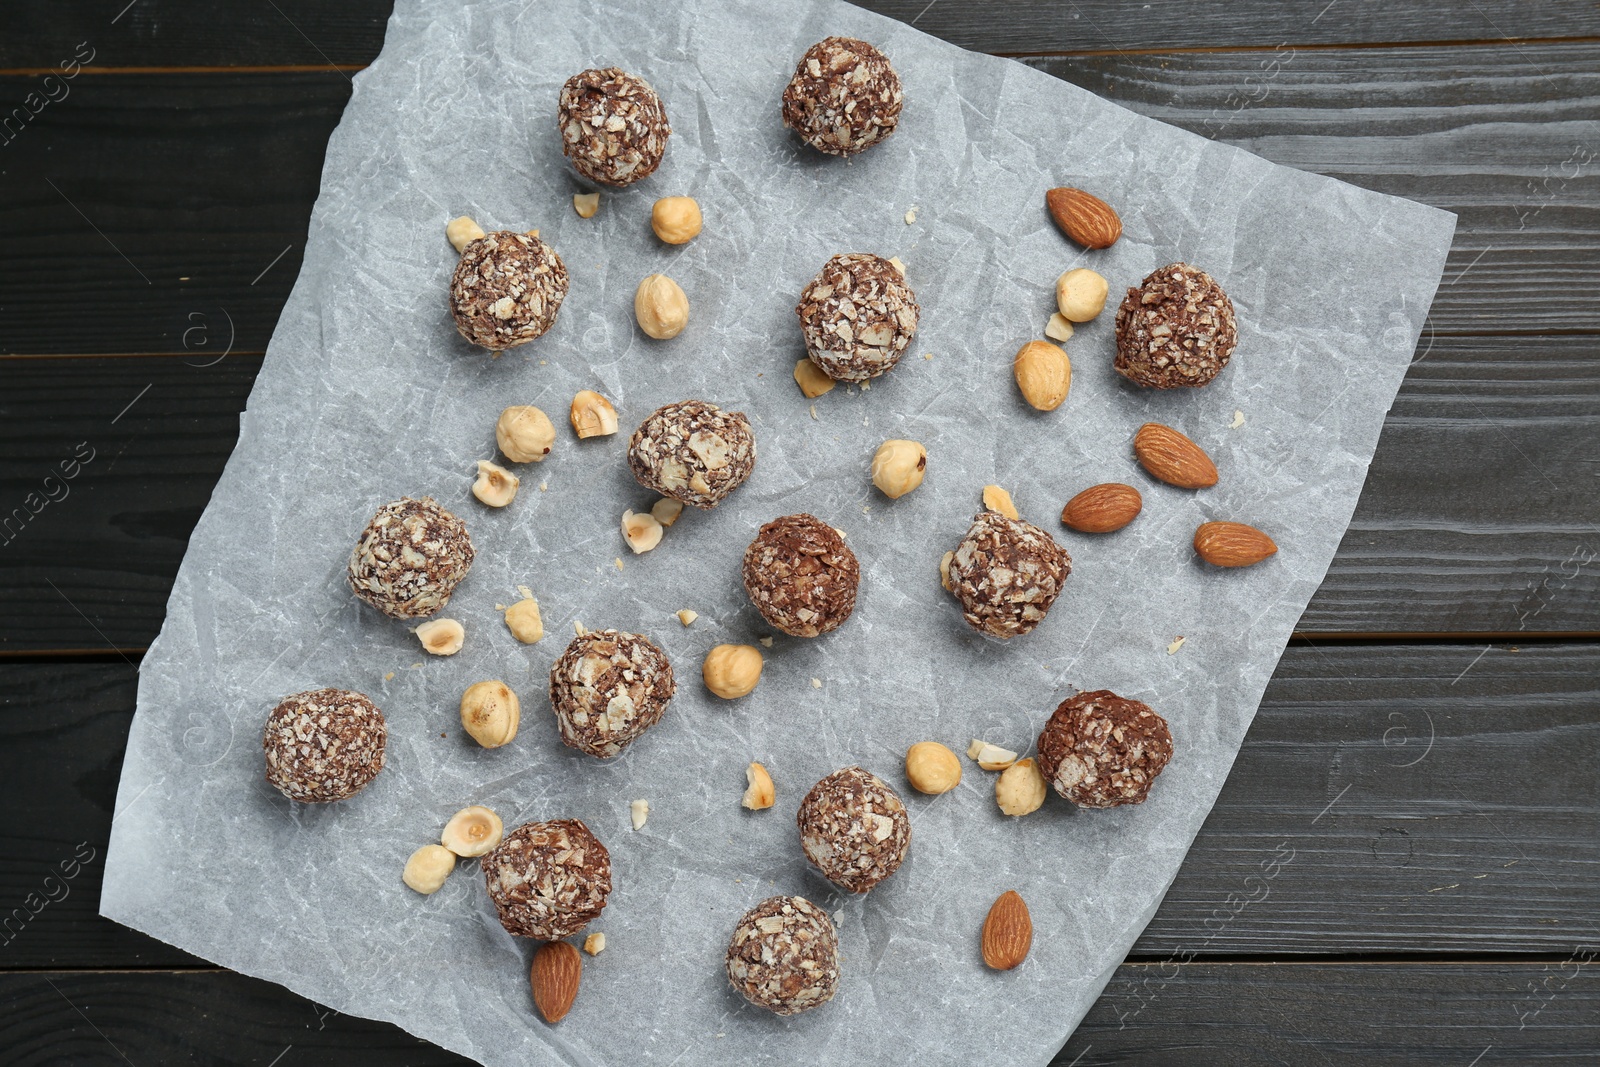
1342, 828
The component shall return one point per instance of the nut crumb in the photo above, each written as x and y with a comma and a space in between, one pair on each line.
895, 262
619, 562
442, 637
816, 683
927, 355
911, 216
586, 204
997, 499
1059, 328
389, 677
1238, 420
595, 943
990, 757
544, 487
765, 642
1173, 648
814, 413
642, 532
809, 377
760, 794
640, 811
577, 628
666, 510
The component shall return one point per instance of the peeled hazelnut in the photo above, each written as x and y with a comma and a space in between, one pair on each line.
462, 232
809, 377
441, 637
760, 794
1020, 788
1043, 373
586, 204
473, 831
428, 868
524, 434
932, 768
732, 671
495, 486
524, 621
898, 467
661, 307
676, 219
1081, 294
642, 532
1058, 328
595, 943
666, 510
592, 415
490, 712
997, 499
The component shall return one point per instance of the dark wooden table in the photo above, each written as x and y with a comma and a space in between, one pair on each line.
1404, 866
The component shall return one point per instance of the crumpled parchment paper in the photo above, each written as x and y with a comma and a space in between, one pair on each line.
367, 394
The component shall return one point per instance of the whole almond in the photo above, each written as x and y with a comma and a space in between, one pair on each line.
1007, 932
557, 967
1083, 217
1173, 458
1232, 544
1044, 374
1102, 508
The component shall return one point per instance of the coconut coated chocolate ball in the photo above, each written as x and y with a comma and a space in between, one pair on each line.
1175, 329
410, 558
324, 745
1006, 573
693, 451
1099, 750
607, 688
857, 317
854, 827
507, 289
548, 879
801, 576
844, 97
784, 956
613, 126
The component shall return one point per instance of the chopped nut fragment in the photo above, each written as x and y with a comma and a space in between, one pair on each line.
809, 377
991, 757
894, 261
595, 943
911, 216
462, 232
997, 499
760, 793
618, 562
816, 683
765, 642
686, 616
586, 204
642, 532
473, 831
524, 622
577, 628
944, 573
1238, 420
1058, 328
442, 637
640, 811
666, 510
495, 486
592, 415
1173, 648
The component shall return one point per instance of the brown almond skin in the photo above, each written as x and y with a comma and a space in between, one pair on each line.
557, 969
1084, 217
1232, 544
1007, 932
1103, 508
1171, 457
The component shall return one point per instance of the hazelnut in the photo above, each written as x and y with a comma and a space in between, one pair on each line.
595, 943
495, 485
811, 380
428, 868
759, 793
441, 637
1081, 294
1043, 373
524, 434
642, 532
661, 307
462, 232
1020, 788
473, 831
1058, 328
490, 712
639, 811
666, 510
997, 499
586, 204
524, 622
592, 415
932, 768
898, 467
732, 671
676, 219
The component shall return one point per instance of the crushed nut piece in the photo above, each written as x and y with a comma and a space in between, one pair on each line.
1058, 328
462, 232
760, 793
595, 943
442, 637
944, 571
997, 499
911, 216
495, 486
991, 757
592, 415
586, 204
1173, 648
809, 377
524, 622
577, 628
816, 683
1238, 420
642, 532
894, 261
666, 510
640, 811
766, 642
686, 616
473, 831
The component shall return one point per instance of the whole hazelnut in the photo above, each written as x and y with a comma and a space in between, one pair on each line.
1081, 294
898, 467
428, 868
524, 434
932, 768
1020, 788
676, 219
732, 671
661, 307
490, 712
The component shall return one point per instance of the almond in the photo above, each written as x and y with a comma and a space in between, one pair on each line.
1173, 458
1102, 508
556, 970
1007, 932
1232, 544
1086, 219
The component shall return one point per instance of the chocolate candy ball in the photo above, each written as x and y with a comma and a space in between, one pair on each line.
1099, 750
410, 558
324, 745
784, 956
548, 879
854, 827
507, 289
614, 129
693, 451
1006, 573
1175, 329
607, 688
801, 576
857, 317
844, 97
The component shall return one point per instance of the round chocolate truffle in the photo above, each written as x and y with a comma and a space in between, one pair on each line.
857, 316
693, 451
548, 879
854, 827
507, 289
410, 558
784, 956
1175, 329
608, 688
1006, 573
844, 97
324, 745
801, 576
613, 127
1100, 750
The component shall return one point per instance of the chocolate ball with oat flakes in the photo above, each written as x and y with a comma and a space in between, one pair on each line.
857, 316
1175, 329
844, 97
324, 745
410, 558
1100, 750
801, 576
607, 688
693, 451
507, 289
1006, 573
614, 128
784, 956
854, 827
548, 879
